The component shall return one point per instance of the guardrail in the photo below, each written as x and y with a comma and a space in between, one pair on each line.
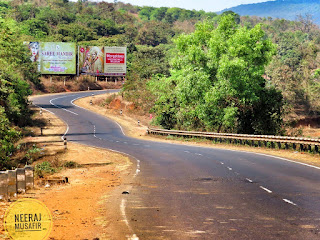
304, 144
16, 181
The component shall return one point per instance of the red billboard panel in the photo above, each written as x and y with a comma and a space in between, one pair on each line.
116, 58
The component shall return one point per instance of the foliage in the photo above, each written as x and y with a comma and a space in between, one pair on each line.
16, 71
43, 168
216, 81
146, 62
8, 136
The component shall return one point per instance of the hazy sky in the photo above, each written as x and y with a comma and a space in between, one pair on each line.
207, 5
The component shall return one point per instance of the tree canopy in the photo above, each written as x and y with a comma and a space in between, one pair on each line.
217, 82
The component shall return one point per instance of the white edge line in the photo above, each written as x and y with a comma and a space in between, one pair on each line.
62, 137
266, 189
62, 107
249, 180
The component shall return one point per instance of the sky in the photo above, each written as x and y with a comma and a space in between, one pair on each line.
206, 5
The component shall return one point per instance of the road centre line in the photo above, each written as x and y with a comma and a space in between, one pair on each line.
266, 189
229, 168
249, 180
290, 202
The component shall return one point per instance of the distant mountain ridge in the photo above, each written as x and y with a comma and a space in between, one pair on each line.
287, 9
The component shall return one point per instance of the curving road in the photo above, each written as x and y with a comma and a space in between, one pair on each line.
188, 192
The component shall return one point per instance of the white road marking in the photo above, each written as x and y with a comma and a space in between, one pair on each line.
290, 202
229, 168
125, 219
249, 180
222, 163
62, 107
198, 154
136, 144
266, 189
186, 151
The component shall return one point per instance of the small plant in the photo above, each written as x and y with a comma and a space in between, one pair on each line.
109, 99
32, 153
71, 164
43, 168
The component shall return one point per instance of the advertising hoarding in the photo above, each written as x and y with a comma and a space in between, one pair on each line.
115, 61
91, 60
58, 58
34, 48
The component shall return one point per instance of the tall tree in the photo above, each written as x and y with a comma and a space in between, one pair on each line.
217, 82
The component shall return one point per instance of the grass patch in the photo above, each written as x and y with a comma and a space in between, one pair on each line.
71, 164
44, 168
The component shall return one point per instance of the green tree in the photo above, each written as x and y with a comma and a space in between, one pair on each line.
217, 82
154, 33
146, 62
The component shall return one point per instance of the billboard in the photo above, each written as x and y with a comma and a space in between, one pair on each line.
91, 60
34, 48
58, 58
115, 61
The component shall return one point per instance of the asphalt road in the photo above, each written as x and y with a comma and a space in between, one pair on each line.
188, 192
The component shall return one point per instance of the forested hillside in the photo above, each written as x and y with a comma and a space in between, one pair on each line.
286, 9
192, 69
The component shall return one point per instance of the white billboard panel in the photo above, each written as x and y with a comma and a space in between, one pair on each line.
58, 58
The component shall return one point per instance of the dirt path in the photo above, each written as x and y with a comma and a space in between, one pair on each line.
79, 207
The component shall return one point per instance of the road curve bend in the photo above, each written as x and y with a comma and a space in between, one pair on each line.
189, 192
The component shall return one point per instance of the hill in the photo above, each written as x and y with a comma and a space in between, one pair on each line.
287, 9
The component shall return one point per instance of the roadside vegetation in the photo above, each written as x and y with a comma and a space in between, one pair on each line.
192, 70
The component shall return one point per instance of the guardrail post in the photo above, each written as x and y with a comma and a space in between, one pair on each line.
316, 148
259, 144
301, 147
309, 148
286, 146
279, 145
12, 183
272, 145
65, 143
3, 185
294, 146
21, 180
29, 177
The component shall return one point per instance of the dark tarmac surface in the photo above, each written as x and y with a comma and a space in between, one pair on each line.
188, 192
